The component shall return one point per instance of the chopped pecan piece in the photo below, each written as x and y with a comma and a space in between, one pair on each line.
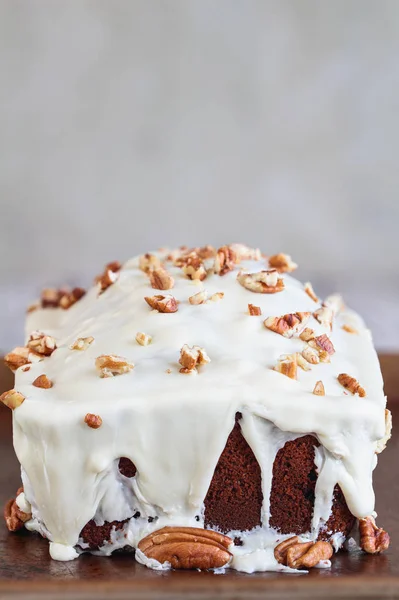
93, 421
335, 303
310, 291
282, 262
70, 298
206, 252
50, 297
351, 384
160, 279
105, 280
382, 443
15, 518
318, 389
302, 362
292, 553
216, 297
82, 343
163, 304
143, 338
147, 262
254, 311
310, 355
41, 343
287, 325
244, 252
373, 539
12, 399
191, 358
324, 316
17, 358
225, 260
43, 382
187, 547
194, 268
264, 282
287, 365
307, 334
324, 343
110, 365
349, 329
199, 297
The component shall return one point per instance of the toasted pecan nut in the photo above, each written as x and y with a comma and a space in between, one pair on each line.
324, 315
206, 252
263, 282
310, 355
110, 365
373, 539
302, 362
382, 443
147, 262
43, 382
310, 291
17, 358
160, 279
12, 399
163, 304
82, 343
318, 389
282, 262
324, 343
106, 280
254, 311
199, 297
50, 297
216, 297
14, 517
143, 338
307, 334
187, 548
191, 358
334, 303
302, 555
287, 365
349, 328
194, 268
287, 325
351, 384
244, 252
225, 260
93, 421
42, 344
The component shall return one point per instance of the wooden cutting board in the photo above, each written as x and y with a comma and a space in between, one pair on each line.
26, 571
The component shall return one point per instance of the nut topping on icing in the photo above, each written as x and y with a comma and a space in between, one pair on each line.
225, 260
282, 262
50, 298
163, 304
199, 297
70, 298
292, 553
373, 539
109, 365
244, 252
147, 262
106, 279
310, 355
160, 279
12, 399
187, 547
318, 389
93, 421
190, 358
351, 384
82, 343
302, 362
41, 343
324, 343
43, 382
335, 303
307, 334
349, 329
15, 518
216, 297
263, 282
324, 316
382, 443
288, 324
310, 291
287, 365
254, 311
17, 358
143, 338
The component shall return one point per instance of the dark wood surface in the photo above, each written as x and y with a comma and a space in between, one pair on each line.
26, 571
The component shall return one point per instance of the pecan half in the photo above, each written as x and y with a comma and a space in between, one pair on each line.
82, 343
264, 282
14, 517
160, 279
163, 304
282, 262
12, 399
199, 297
323, 342
143, 338
43, 382
297, 555
17, 358
254, 311
148, 262
318, 389
382, 443
187, 548
225, 260
93, 421
287, 325
193, 357
373, 539
351, 384
41, 343
287, 365
110, 365
324, 315
310, 291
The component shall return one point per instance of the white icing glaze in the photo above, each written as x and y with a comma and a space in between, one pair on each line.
174, 427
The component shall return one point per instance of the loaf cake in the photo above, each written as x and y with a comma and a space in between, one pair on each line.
202, 407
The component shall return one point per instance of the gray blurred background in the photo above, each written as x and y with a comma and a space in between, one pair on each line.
130, 124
